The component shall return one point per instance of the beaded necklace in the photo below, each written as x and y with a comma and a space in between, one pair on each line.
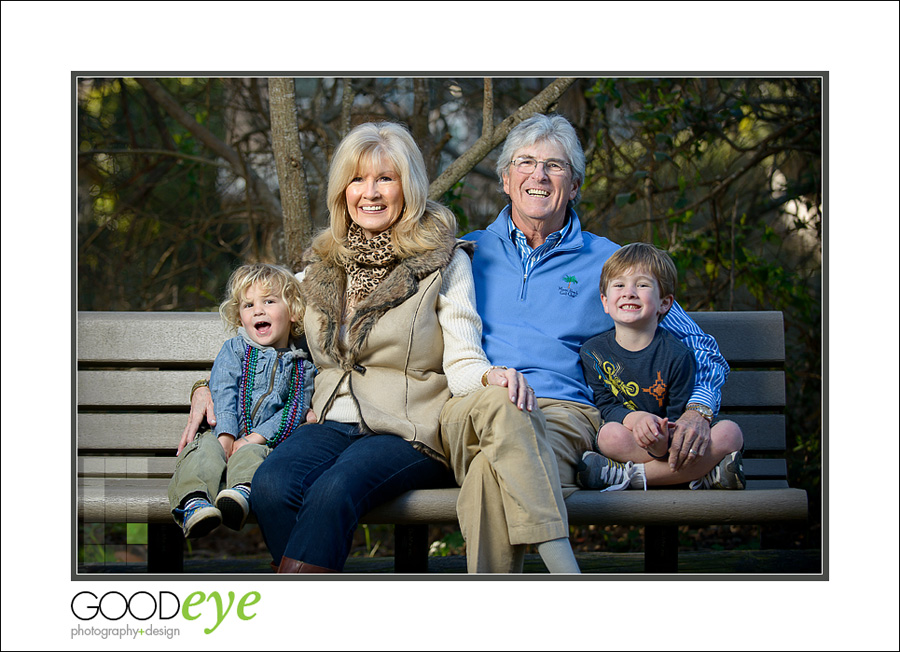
289, 415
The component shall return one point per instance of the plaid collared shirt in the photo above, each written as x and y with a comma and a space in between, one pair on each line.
530, 257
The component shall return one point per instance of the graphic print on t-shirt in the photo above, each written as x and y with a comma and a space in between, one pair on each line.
658, 389
609, 374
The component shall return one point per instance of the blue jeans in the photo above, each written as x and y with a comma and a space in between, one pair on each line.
311, 491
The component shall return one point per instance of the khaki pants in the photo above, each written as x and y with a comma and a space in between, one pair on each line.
514, 469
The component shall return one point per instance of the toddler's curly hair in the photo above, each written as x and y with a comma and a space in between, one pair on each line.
275, 279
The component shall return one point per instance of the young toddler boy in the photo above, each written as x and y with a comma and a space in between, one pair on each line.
642, 378
261, 385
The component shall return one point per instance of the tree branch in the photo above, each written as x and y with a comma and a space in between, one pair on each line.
487, 113
483, 146
210, 140
160, 152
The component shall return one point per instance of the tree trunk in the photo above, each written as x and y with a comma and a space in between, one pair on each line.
291, 173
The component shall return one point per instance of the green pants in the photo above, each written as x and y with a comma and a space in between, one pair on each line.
202, 468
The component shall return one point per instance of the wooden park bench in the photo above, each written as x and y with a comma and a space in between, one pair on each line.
135, 371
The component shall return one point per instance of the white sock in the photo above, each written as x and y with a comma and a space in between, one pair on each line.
558, 556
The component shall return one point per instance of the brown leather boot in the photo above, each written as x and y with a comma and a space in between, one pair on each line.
289, 565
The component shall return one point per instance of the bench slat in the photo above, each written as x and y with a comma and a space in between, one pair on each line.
745, 337
137, 388
685, 507
764, 468
120, 501
125, 467
754, 389
144, 338
762, 432
164, 467
170, 389
128, 432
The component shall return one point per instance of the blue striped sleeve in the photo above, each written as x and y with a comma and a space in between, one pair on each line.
712, 369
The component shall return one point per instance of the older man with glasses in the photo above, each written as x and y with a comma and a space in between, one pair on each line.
537, 280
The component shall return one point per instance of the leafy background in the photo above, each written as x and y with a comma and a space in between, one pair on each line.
178, 184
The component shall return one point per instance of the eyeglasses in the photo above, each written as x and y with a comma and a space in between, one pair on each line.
527, 165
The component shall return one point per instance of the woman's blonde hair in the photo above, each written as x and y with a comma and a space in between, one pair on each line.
274, 279
423, 224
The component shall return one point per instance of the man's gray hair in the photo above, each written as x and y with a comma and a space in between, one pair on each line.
539, 127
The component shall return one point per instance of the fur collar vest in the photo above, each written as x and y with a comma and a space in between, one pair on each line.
324, 288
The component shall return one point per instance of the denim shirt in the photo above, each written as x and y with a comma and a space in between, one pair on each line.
271, 387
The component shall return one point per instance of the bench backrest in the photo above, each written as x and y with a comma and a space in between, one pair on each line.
135, 371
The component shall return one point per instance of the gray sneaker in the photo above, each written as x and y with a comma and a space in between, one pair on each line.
234, 504
727, 474
596, 471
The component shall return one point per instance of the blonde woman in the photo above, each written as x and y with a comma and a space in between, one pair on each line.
392, 328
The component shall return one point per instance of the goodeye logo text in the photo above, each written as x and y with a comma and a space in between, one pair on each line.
165, 605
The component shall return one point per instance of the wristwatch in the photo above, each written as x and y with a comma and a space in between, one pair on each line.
704, 411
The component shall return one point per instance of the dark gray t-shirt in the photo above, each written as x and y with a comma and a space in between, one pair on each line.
657, 379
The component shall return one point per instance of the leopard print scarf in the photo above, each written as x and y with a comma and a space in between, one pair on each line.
369, 263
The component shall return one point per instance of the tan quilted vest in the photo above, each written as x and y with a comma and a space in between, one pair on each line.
393, 355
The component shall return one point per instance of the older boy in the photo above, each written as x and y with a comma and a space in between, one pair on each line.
642, 377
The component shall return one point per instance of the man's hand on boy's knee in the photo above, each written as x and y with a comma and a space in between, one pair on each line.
690, 439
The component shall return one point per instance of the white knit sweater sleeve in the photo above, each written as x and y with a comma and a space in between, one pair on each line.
464, 359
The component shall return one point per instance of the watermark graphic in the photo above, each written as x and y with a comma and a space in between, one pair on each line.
126, 632
142, 606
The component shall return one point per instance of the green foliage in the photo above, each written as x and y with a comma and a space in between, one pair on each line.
450, 544
723, 173
153, 231
374, 537
453, 199
99, 543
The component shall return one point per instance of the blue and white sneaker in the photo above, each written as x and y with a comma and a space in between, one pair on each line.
234, 504
198, 518
596, 471
727, 474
